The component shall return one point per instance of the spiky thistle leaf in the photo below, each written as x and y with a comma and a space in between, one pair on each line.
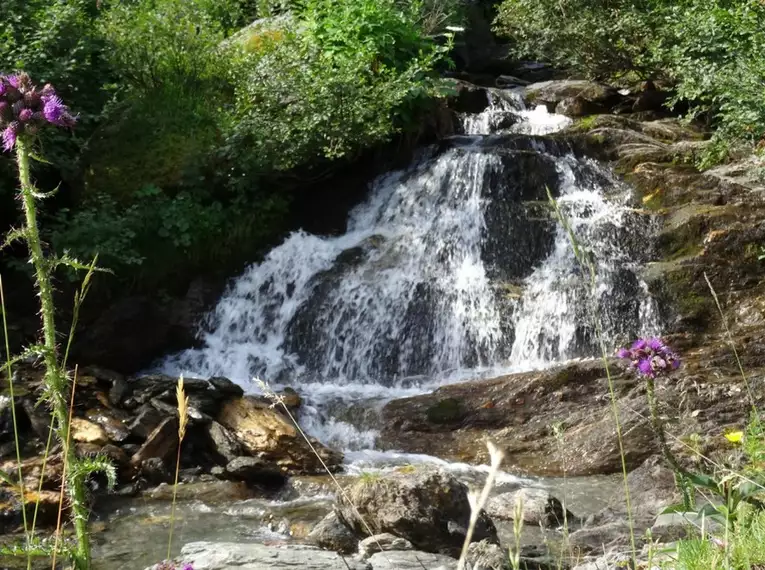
16, 234
87, 466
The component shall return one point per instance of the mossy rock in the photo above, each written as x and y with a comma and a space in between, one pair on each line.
448, 410
683, 295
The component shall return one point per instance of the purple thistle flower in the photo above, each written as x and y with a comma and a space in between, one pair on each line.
650, 357
24, 108
56, 112
655, 344
644, 367
187, 567
9, 137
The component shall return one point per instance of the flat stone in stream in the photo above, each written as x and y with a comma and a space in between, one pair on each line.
411, 560
230, 556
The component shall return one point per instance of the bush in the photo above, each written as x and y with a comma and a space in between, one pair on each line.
600, 39
713, 51
345, 76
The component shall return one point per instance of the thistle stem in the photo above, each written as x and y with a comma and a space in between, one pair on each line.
56, 382
658, 428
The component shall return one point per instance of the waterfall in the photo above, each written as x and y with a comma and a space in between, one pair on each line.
453, 267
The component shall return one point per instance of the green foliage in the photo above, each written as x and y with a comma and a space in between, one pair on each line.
736, 488
56, 41
347, 76
600, 38
196, 123
167, 44
744, 548
713, 51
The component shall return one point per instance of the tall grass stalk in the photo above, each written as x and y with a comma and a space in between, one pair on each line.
477, 504
515, 555
729, 337
586, 264
183, 420
558, 432
9, 372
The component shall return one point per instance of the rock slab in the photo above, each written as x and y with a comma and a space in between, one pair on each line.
234, 556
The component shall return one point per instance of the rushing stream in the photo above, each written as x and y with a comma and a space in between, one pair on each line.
454, 268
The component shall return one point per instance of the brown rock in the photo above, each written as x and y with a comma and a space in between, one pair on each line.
224, 442
11, 517
210, 492
146, 421
267, 434
85, 431
291, 399
332, 534
161, 444
113, 422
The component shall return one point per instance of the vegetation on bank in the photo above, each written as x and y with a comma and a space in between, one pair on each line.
196, 125
710, 52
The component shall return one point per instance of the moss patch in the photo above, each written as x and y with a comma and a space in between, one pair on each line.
446, 411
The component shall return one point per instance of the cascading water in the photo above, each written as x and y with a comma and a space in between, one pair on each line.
452, 268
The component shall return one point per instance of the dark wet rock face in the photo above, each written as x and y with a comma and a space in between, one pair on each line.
429, 508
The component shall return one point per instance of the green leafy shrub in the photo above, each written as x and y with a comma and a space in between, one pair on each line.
600, 39
343, 77
712, 51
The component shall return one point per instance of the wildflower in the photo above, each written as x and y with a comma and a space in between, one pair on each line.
650, 357
24, 108
9, 136
735, 436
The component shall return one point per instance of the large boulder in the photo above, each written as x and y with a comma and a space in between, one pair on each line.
429, 508
586, 97
267, 434
516, 412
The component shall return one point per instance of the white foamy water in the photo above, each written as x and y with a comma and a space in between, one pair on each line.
406, 300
